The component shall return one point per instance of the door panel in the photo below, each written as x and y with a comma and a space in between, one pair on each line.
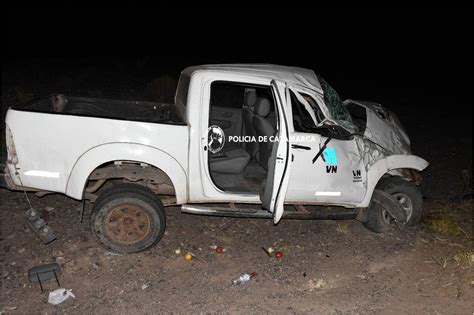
338, 175
274, 192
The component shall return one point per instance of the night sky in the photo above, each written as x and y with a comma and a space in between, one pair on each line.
420, 55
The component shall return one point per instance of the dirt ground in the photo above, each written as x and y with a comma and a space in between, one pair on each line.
328, 267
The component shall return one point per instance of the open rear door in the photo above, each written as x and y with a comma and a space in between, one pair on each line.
274, 192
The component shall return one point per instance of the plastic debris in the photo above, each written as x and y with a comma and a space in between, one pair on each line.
177, 251
188, 256
268, 251
60, 295
112, 254
244, 278
278, 254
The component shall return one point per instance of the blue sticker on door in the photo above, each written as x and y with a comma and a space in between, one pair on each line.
329, 155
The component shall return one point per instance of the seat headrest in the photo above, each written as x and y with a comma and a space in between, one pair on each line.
250, 98
262, 107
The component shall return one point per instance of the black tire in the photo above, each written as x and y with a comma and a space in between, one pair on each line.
400, 189
378, 219
128, 218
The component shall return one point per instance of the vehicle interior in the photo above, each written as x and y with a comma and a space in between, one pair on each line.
242, 111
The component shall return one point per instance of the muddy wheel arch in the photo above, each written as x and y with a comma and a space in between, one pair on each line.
111, 152
384, 166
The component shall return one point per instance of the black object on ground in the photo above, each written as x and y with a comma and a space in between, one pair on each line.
44, 273
38, 225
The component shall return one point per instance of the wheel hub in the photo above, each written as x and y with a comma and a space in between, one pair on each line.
406, 204
127, 223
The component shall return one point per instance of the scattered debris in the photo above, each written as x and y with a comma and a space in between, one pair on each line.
145, 286
278, 254
177, 251
244, 278
60, 295
188, 256
268, 251
218, 249
44, 273
21, 250
38, 225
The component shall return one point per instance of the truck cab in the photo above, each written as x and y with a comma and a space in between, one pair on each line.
287, 139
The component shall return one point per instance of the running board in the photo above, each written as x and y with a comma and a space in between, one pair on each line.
340, 214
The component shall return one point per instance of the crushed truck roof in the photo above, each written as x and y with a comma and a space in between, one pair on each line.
295, 75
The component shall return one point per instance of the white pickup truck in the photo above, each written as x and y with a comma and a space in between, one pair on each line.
243, 140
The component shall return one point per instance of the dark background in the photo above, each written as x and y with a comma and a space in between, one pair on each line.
421, 57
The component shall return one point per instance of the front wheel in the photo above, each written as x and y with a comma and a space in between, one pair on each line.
128, 218
392, 193
407, 195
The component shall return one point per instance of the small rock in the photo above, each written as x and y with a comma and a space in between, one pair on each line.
49, 209
21, 250
145, 286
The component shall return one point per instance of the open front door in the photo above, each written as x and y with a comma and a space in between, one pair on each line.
274, 192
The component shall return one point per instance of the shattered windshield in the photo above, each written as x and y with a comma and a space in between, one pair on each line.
334, 103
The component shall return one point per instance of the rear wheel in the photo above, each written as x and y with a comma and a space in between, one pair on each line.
128, 218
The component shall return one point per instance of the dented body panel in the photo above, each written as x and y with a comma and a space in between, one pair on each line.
58, 152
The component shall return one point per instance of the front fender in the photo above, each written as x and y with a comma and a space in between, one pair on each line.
385, 165
109, 152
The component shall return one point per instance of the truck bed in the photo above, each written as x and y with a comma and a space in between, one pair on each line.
106, 108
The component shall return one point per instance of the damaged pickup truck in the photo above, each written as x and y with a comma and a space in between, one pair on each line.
246, 140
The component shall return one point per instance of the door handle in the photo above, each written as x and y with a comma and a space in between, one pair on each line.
302, 147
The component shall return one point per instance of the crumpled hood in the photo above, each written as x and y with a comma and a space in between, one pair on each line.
384, 128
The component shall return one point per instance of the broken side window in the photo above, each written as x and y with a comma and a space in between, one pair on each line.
304, 119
